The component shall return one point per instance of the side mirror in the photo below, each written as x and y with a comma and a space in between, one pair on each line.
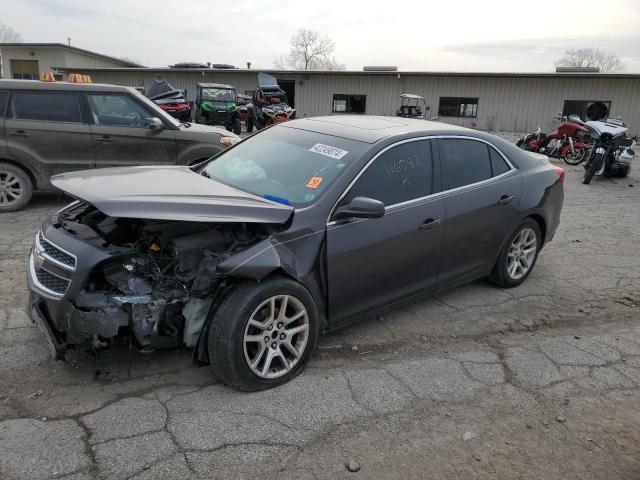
360, 207
154, 123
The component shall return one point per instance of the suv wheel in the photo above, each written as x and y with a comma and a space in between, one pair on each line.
15, 188
263, 334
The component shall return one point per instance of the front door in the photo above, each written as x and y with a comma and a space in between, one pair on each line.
372, 262
121, 135
45, 131
481, 194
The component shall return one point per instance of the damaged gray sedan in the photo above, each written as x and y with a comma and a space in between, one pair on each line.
302, 228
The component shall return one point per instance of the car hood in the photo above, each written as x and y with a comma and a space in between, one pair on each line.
168, 193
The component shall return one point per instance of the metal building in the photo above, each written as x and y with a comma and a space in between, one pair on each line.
488, 101
31, 60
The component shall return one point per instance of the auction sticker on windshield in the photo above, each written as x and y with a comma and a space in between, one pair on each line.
328, 151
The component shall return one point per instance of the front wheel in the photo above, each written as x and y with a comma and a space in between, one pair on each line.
576, 157
263, 334
249, 124
518, 256
592, 168
16, 188
237, 126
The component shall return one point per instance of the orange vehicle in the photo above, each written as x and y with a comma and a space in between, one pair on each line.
270, 104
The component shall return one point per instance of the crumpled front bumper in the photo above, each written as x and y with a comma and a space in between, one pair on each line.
64, 312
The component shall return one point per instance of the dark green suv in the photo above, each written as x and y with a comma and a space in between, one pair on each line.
50, 128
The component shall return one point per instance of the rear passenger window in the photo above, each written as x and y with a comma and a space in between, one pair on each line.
45, 106
463, 162
498, 165
3, 103
400, 174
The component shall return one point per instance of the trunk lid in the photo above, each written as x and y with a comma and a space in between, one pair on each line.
168, 193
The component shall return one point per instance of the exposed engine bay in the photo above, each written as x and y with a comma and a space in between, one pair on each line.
161, 277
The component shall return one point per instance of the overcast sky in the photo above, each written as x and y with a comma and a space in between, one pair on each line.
473, 35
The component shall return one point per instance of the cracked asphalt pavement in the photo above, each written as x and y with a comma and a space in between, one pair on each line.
541, 381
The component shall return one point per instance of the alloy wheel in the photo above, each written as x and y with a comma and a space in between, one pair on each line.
575, 157
11, 188
276, 336
522, 253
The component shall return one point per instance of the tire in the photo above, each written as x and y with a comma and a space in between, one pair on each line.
578, 158
237, 126
592, 168
234, 342
249, 125
501, 274
16, 188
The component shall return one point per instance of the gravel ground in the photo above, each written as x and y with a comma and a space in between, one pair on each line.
541, 381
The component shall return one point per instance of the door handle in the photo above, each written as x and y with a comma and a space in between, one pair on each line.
429, 223
19, 133
504, 199
105, 139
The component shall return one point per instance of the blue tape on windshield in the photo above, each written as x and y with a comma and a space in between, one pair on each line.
273, 198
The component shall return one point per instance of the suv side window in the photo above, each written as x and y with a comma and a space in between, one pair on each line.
3, 103
463, 162
402, 173
117, 110
45, 106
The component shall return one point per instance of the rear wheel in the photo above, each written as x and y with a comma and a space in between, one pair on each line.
263, 334
518, 256
237, 126
16, 188
592, 168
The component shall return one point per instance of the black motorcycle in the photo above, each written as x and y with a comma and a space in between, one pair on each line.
611, 153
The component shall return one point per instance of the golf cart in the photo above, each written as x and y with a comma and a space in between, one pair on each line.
412, 106
216, 104
269, 104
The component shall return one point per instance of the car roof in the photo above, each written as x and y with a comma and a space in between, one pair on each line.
63, 86
216, 85
371, 129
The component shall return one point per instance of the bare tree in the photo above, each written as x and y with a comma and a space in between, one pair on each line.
309, 51
9, 35
591, 57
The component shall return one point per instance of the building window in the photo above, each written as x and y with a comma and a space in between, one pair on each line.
580, 107
349, 103
458, 107
25, 69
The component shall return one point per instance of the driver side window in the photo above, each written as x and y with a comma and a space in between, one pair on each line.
402, 173
117, 110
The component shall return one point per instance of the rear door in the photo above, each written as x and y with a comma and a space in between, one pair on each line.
372, 262
481, 193
121, 135
45, 130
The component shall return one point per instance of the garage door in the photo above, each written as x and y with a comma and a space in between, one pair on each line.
25, 69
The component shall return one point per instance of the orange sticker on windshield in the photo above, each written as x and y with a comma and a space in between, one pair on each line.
314, 182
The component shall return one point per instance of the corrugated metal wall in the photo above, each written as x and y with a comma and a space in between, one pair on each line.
51, 57
513, 103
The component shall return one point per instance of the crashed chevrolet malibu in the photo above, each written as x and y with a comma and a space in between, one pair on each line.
300, 229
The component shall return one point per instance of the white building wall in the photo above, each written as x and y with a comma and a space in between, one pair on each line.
506, 103
50, 58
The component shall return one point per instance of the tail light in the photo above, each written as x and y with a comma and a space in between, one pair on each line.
561, 173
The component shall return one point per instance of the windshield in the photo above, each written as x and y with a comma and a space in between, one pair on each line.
286, 165
218, 94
